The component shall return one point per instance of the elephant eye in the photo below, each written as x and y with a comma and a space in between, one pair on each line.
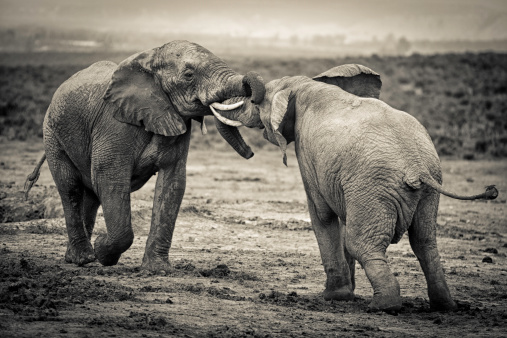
189, 74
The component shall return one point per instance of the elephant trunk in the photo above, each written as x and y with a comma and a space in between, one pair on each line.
254, 87
234, 138
246, 114
241, 110
248, 88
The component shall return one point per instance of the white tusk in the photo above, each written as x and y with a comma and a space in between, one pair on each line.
227, 106
204, 130
225, 120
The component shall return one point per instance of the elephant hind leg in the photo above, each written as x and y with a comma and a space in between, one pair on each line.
71, 190
337, 262
369, 232
422, 236
91, 204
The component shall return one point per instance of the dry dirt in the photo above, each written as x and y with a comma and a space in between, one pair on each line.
245, 261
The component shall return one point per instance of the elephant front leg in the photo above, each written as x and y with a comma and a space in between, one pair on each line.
115, 199
338, 265
169, 191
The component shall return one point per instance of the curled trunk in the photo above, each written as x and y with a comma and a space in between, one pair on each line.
249, 89
253, 83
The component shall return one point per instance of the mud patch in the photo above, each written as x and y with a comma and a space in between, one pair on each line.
14, 207
245, 264
38, 292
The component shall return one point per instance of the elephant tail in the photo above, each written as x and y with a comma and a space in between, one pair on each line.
34, 176
490, 194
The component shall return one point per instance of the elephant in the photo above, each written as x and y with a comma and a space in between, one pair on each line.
370, 173
109, 128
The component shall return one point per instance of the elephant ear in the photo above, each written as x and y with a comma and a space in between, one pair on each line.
280, 123
353, 78
137, 93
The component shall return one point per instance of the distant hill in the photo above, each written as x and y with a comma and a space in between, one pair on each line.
38, 39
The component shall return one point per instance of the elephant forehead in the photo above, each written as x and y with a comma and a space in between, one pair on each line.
183, 49
355, 102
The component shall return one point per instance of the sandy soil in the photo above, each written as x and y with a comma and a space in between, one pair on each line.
245, 261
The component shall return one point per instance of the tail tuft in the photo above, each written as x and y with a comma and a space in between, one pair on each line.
30, 181
491, 192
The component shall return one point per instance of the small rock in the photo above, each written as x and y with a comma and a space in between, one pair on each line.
168, 301
487, 259
491, 250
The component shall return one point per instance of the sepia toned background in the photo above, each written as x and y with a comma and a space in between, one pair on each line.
246, 263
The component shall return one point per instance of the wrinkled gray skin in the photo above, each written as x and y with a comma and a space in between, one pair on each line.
370, 173
109, 128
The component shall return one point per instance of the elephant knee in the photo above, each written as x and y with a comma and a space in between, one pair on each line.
108, 250
124, 242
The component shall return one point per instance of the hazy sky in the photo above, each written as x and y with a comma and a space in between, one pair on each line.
357, 19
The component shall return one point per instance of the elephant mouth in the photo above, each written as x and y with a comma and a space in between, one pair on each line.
232, 111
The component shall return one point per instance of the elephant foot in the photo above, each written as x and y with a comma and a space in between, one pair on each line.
80, 254
443, 305
387, 303
155, 264
343, 293
105, 255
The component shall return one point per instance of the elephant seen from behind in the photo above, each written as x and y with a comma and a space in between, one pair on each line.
110, 128
370, 173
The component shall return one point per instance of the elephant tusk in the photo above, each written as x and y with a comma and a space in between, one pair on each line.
225, 120
204, 130
224, 107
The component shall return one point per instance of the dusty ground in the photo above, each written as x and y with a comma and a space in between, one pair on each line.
245, 260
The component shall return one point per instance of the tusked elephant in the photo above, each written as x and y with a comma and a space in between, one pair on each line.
109, 128
370, 173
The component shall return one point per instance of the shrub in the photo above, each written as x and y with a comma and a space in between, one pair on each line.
460, 98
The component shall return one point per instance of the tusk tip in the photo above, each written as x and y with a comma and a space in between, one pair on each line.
225, 107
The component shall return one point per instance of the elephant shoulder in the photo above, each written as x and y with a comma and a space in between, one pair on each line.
96, 74
88, 84
78, 96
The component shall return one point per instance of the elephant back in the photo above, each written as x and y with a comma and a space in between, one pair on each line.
77, 97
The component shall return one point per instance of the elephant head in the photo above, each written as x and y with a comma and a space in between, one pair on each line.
162, 88
276, 111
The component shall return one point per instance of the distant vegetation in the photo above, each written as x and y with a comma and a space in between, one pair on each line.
45, 39
460, 98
